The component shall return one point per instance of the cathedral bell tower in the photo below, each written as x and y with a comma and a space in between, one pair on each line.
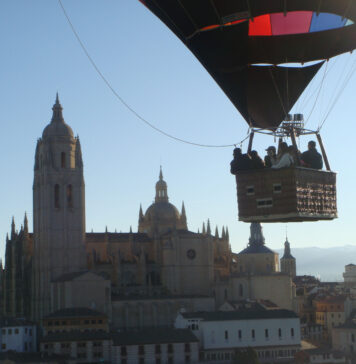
58, 210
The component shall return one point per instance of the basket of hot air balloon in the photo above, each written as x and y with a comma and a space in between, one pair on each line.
248, 47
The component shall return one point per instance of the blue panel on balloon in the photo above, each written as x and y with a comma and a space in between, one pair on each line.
325, 21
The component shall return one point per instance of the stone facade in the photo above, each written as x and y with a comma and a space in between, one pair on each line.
138, 279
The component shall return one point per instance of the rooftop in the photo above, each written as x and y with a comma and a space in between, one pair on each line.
76, 335
76, 312
14, 322
240, 315
154, 336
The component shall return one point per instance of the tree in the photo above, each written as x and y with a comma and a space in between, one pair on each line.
245, 356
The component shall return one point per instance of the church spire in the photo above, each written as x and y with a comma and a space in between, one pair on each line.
256, 236
140, 214
203, 229
161, 188
287, 254
13, 227
216, 232
57, 111
208, 229
25, 224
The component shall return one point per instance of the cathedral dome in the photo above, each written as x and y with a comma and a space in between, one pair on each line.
57, 126
162, 211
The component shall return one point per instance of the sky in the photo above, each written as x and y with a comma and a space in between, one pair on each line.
163, 82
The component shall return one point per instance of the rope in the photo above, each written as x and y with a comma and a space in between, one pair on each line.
131, 109
342, 89
317, 96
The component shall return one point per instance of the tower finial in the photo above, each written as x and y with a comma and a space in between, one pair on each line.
208, 229
256, 234
13, 228
161, 188
57, 111
25, 223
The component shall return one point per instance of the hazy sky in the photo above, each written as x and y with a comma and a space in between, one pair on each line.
154, 72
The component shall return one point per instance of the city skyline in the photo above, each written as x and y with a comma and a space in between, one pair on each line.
155, 74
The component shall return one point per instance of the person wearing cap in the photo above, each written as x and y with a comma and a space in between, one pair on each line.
312, 158
271, 157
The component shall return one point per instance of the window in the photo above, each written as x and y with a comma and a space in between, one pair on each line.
266, 333
170, 360
93, 321
81, 355
25, 346
170, 348
141, 350
158, 349
187, 347
3, 331
123, 351
100, 321
292, 332
280, 333
97, 343
240, 334
253, 334
3, 346
56, 196
353, 338
187, 359
86, 322
81, 345
65, 345
226, 335
9, 331
142, 361
158, 360
16, 331
70, 199
277, 188
63, 160
250, 190
264, 202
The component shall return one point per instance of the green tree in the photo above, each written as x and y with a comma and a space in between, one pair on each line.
245, 356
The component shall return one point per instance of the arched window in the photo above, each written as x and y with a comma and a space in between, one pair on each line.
56, 196
63, 160
69, 196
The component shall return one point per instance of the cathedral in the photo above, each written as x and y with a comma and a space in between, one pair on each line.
139, 279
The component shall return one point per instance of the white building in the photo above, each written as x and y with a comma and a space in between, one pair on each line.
274, 334
18, 335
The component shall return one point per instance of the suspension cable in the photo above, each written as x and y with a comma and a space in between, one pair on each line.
130, 108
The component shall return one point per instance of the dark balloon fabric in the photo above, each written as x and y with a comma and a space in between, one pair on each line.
241, 42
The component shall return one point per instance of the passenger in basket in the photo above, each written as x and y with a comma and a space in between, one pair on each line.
240, 162
271, 157
256, 160
284, 157
311, 158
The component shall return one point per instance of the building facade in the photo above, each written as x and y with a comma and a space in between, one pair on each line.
138, 279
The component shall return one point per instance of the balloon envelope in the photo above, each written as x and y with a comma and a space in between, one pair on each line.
242, 42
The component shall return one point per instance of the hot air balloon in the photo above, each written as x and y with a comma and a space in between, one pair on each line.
247, 46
